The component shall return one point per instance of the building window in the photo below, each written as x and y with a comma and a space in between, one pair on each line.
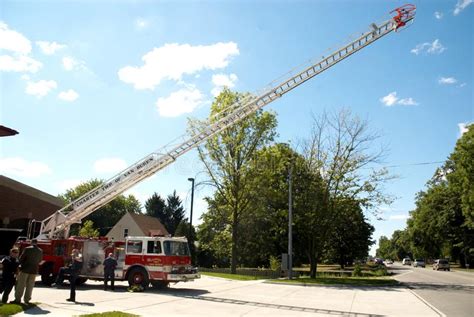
125, 232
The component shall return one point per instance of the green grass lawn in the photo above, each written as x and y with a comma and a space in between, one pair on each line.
12, 309
111, 314
355, 281
234, 276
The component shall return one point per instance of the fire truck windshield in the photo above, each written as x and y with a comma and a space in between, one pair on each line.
176, 248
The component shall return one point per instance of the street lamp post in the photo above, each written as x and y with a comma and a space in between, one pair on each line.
191, 214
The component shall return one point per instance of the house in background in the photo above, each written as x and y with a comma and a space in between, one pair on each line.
136, 225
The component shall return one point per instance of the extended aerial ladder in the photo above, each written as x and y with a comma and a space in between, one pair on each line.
74, 212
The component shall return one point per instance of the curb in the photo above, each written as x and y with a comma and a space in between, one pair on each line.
436, 310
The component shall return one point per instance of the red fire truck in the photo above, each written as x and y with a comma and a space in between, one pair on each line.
141, 260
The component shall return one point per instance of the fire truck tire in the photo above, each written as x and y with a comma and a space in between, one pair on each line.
47, 276
138, 276
160, 284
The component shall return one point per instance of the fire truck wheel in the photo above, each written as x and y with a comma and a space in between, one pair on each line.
138, 276
160, 284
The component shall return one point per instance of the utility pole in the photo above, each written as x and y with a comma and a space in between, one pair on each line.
290, 222
191, 214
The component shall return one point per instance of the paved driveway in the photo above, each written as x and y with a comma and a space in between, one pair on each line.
220, 297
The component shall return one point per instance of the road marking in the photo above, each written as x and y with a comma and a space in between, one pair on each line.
398, 275
426, 303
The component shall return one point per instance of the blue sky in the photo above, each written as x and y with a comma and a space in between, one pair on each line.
94, 86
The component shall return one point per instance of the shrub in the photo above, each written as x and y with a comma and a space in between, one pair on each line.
275, 264
357, 270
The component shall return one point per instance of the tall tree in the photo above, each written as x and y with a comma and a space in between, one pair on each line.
226, 157
175, 210
107, 216
340, 149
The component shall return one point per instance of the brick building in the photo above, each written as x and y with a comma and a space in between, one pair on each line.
20, 203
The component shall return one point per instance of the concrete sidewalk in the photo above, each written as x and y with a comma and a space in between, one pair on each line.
221, 297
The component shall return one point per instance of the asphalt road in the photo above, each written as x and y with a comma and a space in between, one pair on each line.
451, 292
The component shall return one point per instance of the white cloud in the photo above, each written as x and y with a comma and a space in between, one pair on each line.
398, 217
463, 128
109, 165
19, 63
407, 102
392, 100
18, 47
172, 61
438, 15
461, 5
14, 41
447, 80
179, 102
141, 23
20, 167
40, 88
462, 85
222, 80
49, 48
66, 184
430, 48
69, 63
68, 95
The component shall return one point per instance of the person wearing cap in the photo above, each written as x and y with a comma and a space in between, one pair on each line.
109, 271
9, 270
29, 262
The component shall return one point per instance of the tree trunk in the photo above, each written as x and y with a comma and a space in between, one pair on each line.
233, 264
313, 265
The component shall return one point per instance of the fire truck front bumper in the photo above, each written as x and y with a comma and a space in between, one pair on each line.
183, 277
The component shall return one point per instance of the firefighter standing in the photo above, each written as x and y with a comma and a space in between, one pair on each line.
75, 269
109, 271
10, 267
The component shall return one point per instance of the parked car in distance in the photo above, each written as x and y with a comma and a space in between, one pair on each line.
378, 261
406, 261
419, 263
388, 261
441, 264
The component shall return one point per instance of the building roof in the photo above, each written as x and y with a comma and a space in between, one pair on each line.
4, 131
149, 225
30, 191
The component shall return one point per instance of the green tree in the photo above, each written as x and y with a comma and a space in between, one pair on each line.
384, 250
87, 230
155, 207
175, 210
226, 157
169, 212
106, 216
340, 149
351, 235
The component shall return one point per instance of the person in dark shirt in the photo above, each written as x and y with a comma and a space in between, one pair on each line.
110, 264
76, 266
25, 281
10, 267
